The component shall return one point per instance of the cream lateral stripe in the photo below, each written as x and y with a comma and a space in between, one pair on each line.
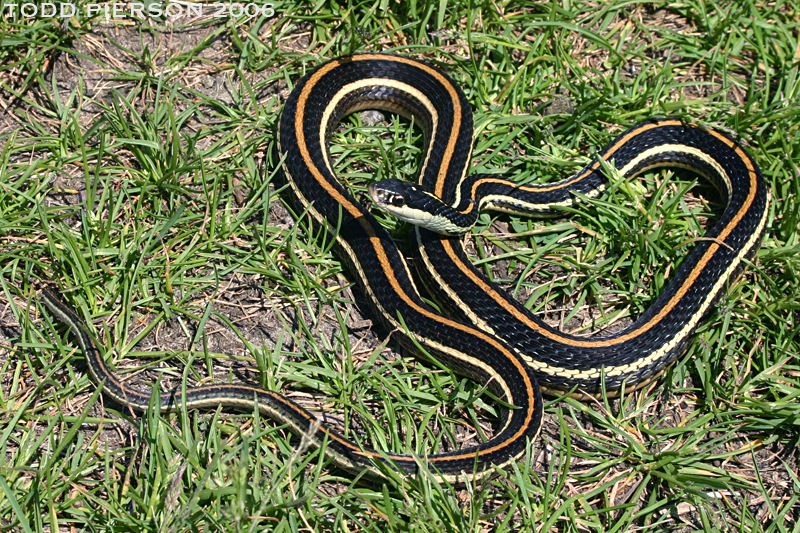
569, 181
476, 362
414, 89
467, 310
356, 213
572, 180
471, 331
664, 148
442, 348
670, 344
696, 170
115, 389
442, 158
510, 200
751, 167
428, 342
320, 218
682, 290
409, 90
607, 155
497, 202
452, 91
691, 324
378, 246
666, 347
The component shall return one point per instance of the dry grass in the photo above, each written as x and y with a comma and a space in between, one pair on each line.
138, 172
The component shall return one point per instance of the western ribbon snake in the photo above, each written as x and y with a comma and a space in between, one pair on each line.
486, 335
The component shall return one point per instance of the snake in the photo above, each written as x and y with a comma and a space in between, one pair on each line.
478, 330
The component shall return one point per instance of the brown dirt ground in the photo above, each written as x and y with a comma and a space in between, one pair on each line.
243, 302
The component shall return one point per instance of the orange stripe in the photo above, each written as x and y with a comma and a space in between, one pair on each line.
569, 181
380, 252
687, 284
457, 111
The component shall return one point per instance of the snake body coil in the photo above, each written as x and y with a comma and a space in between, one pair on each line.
477, 344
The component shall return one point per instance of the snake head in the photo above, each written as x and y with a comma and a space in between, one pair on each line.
411, 203
394, 194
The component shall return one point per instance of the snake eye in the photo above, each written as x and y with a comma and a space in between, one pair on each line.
398, 201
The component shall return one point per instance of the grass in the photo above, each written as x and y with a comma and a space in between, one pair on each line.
137, 170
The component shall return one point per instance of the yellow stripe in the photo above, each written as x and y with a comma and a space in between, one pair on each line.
388, 270
409, 306
378, 82
554, 335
